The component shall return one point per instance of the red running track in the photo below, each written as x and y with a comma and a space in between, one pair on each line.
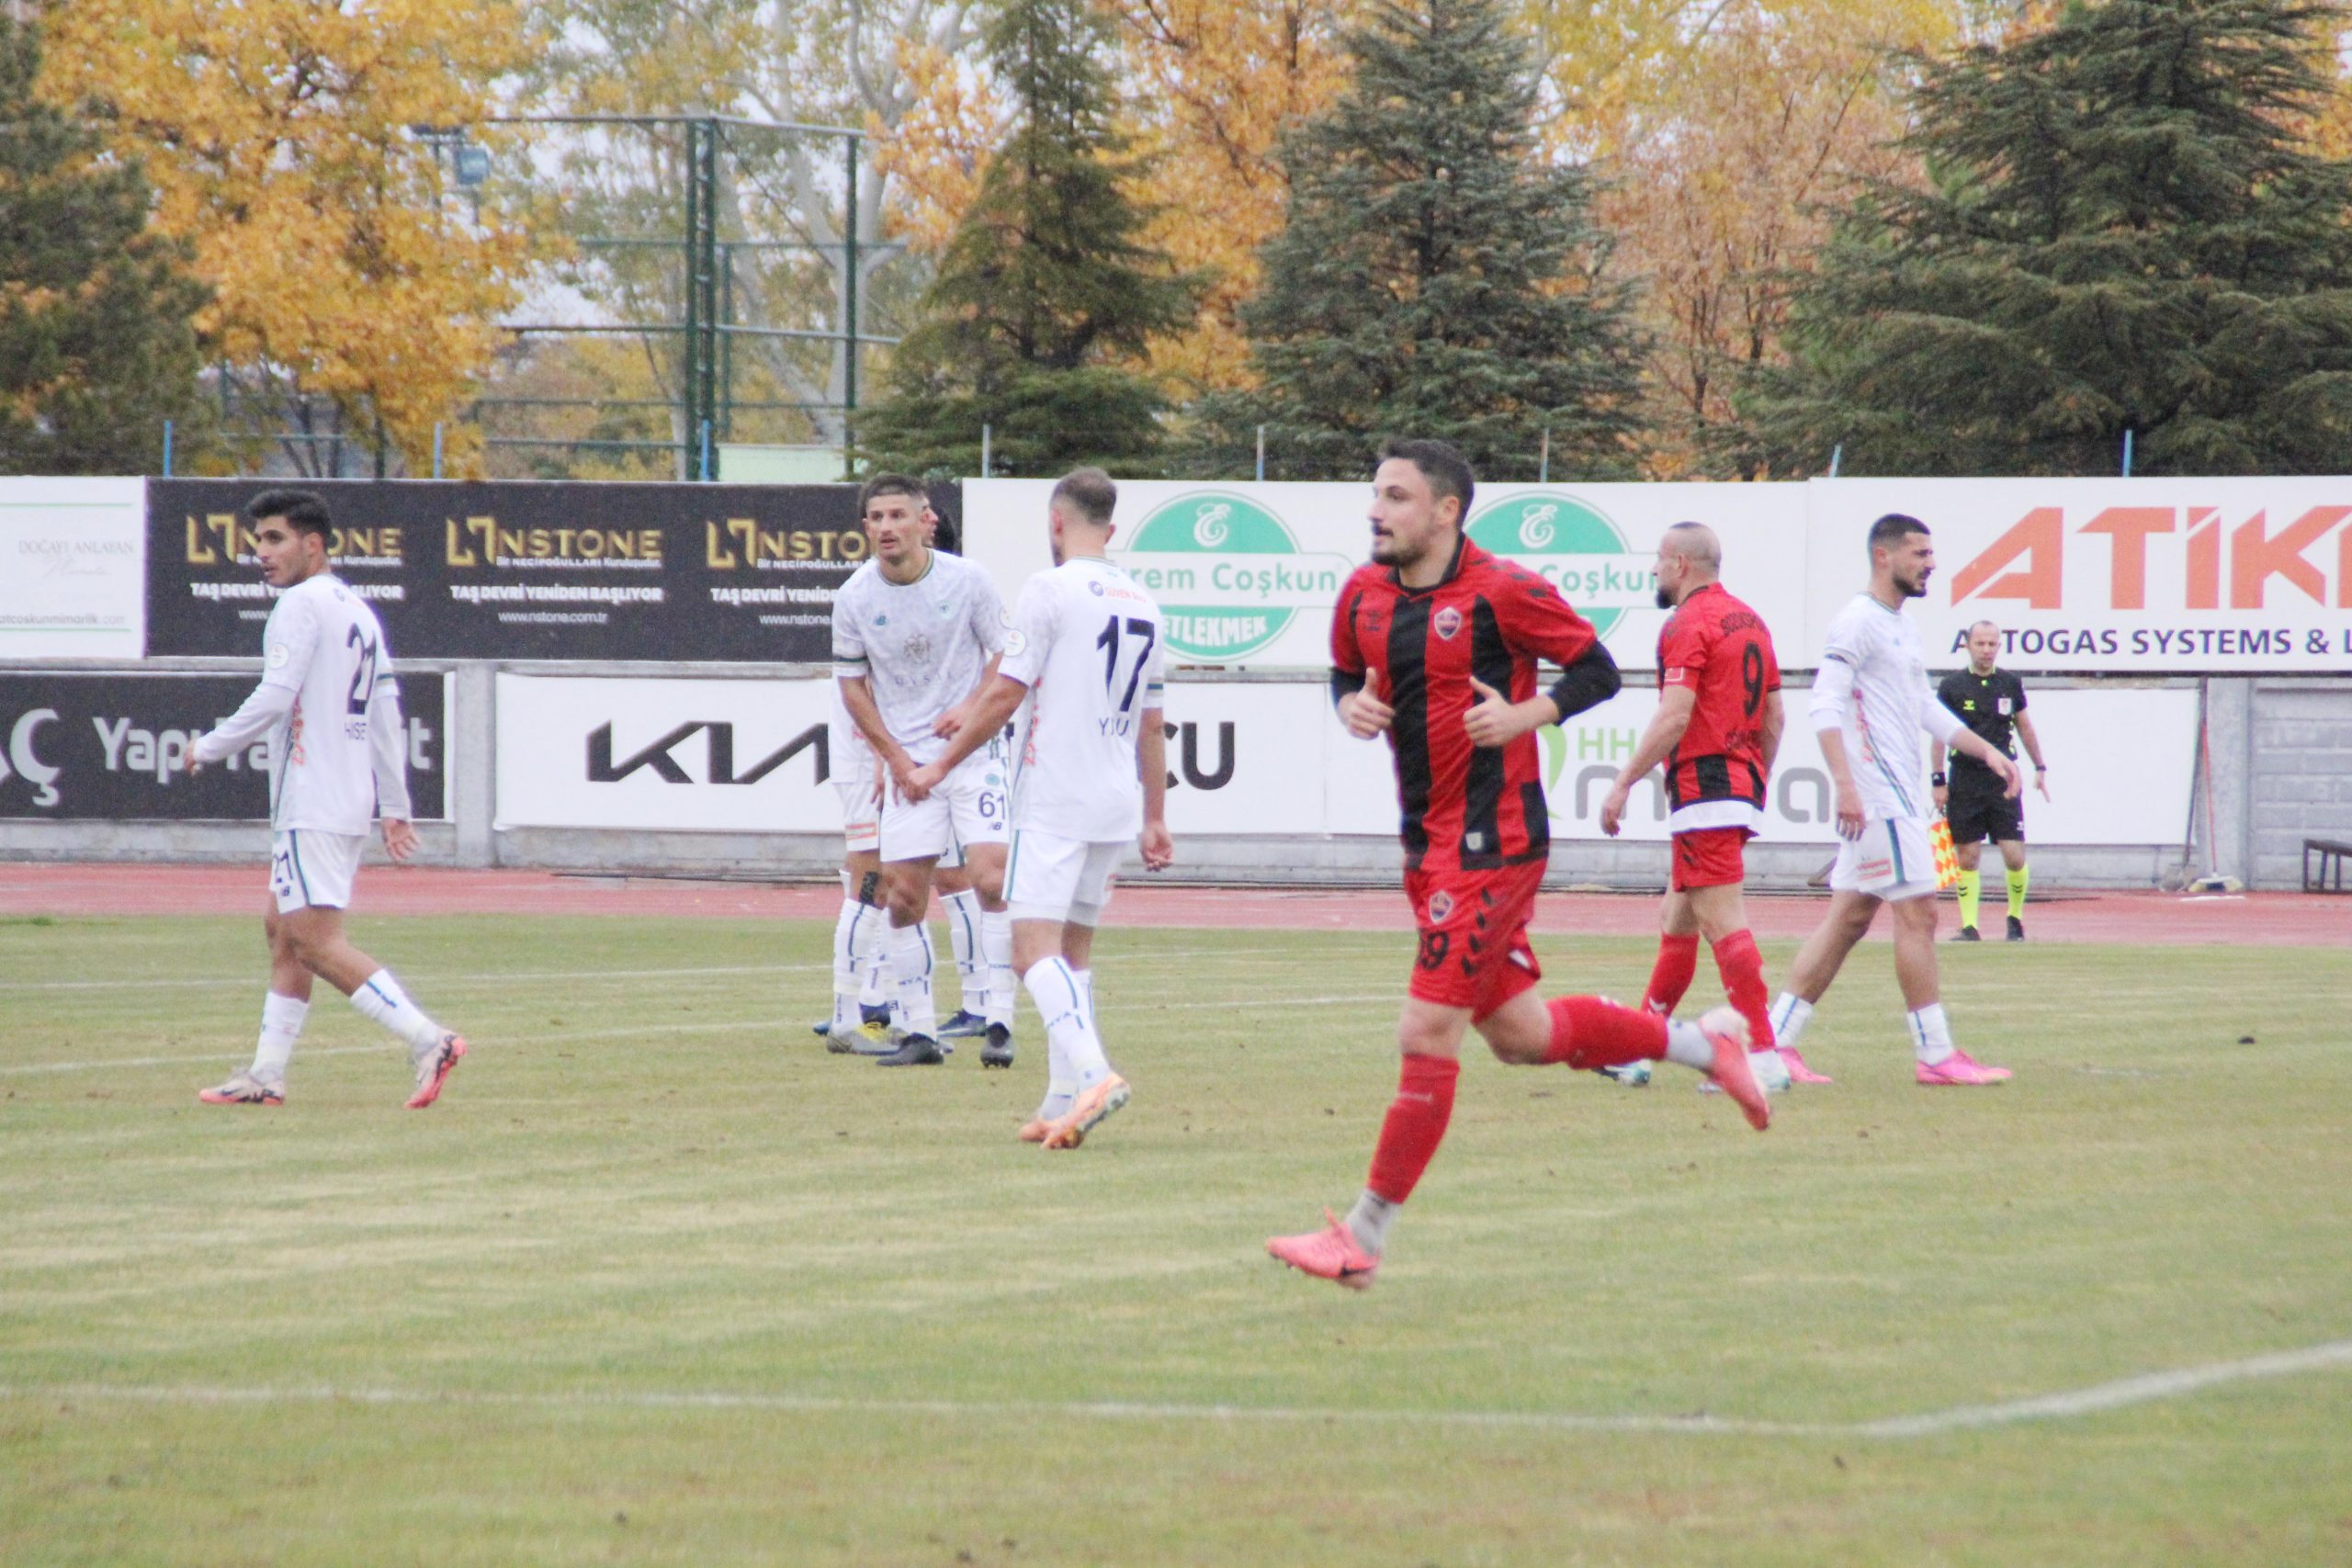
2271, 919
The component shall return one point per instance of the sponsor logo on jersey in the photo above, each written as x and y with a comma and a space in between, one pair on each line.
1228, 573
1572, 545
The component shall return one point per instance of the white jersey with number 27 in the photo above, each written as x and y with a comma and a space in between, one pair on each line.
1086, 641
324, 642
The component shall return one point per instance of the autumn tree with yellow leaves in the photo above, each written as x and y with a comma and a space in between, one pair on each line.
1727, 133
281, 139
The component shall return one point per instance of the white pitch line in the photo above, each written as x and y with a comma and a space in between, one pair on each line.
708, 1026
2043, 1407
2144, 1389
427, 977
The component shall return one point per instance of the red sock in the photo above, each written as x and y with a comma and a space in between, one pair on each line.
1677, 960
1589, 1032
1742, 971
1414, 1127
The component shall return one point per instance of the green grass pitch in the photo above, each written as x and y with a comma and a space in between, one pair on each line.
659, 1281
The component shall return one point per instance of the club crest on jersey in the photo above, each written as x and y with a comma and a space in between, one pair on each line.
1440, 906
1446, 622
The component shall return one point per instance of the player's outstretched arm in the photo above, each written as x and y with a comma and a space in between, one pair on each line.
1660, 738
1151, 766
260, 713
990, 709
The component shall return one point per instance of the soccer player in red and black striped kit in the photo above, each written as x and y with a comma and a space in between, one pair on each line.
1435, 643
1717, 729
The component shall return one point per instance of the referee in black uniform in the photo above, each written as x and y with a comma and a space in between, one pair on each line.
1991, 702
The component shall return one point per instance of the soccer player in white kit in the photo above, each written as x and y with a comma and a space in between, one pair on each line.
859, 1024
1871, 699
338, 751
916, 633
1091, 777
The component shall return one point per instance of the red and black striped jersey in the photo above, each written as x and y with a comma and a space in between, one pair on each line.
1462, 806
1718, 649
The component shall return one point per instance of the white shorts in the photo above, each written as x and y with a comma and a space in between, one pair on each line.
1892, 861
1047, 878
966, 808
311, 870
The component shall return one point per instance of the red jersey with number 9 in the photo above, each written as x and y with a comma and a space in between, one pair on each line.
1719, 649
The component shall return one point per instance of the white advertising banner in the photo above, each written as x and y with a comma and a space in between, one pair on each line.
2121, 764
72, 568
2082, 576
1246, 759
664, 754
1248, 573
2177, 576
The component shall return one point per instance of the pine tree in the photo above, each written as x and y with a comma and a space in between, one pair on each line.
96, 343
2127, 231
1440, 275
1044, 296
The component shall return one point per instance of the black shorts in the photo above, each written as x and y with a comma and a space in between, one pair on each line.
1976, 816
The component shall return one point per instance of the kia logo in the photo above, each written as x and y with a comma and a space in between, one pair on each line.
719, 755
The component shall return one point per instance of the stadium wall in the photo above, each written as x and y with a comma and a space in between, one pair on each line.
128, 609
1267, 790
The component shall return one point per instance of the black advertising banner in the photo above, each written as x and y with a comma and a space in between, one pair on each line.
527, 571
112, 747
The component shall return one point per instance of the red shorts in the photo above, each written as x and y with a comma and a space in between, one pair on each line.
1709, 857
1473, 949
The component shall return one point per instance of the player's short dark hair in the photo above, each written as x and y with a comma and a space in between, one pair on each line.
1893, 528
303, 510
1090, 493
1441, 463
881, 485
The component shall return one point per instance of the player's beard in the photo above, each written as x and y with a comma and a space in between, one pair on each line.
1911, 587
1664, 599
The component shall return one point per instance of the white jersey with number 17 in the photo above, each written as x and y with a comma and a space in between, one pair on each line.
1086, 641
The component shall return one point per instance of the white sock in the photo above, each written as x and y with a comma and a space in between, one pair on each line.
1062, 1004
872, 956
1687, 1043
996, 953
848, 955
964, 917
380, 1000
1790, 1014
281, 1025
1931, 1033
911, 966
1370, 1220
1061, 1081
